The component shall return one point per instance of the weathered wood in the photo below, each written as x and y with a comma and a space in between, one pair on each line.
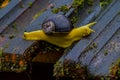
106, 57
16, 8
84, 19
90, 51
15, 42
8, 8
11, 61
22, 45
102, 21
101, 40
11, 42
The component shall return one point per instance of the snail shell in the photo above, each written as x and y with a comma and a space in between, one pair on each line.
56, 23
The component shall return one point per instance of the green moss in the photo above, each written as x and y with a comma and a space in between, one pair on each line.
90, 2
50, 48
94, 45
76, 71
89, 11
63, 8
74, 19
30, 4
57, 49
57, 72
81, 3
104, 3
119, 13
12, 63
38, 14
55, 10
1, 52
14, 26
105, 52
6, 45
71, 69
21, 6
90, 47
115, 71
11, 36
78, 3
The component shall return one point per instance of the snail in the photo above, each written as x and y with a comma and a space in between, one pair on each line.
60, 39
56, 23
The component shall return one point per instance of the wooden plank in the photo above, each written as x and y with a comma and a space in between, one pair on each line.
18, 45
103, 34
96, 10
25, 44
103, 62
100, 41
84, 19
104, 19
10, 61
9, 7
37, 23
14, 13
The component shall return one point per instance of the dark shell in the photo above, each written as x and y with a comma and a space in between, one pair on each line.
61, 24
